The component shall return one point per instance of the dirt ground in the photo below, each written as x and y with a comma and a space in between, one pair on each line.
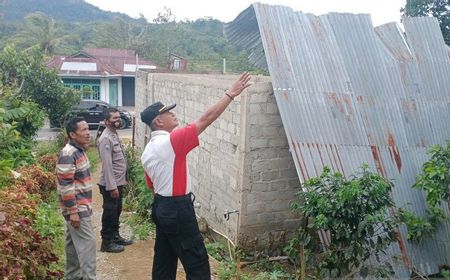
135, 262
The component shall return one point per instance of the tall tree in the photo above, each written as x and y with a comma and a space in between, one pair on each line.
439, 9
40, 30
119, 34
26, 72
166, 16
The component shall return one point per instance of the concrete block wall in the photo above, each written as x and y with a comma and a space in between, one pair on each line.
243, 162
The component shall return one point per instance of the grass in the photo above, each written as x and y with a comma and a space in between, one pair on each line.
142, 228
94, 158
50, 223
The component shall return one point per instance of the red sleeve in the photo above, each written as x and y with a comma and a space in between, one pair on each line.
148, 181
184, 139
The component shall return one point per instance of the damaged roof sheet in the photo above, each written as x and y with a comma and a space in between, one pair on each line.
350, 93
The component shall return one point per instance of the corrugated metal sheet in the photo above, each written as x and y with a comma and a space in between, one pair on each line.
349, 93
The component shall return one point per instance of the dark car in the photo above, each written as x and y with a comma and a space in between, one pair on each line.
92, 111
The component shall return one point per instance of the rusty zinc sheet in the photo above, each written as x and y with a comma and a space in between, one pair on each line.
349, 93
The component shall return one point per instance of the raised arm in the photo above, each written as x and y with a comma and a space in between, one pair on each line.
217, 109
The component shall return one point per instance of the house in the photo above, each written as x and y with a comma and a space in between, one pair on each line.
177, 62
102, 74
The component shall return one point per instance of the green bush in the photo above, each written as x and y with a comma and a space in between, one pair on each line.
27, 72
434, 180
354, 212
19, 121
138, 197
50, 224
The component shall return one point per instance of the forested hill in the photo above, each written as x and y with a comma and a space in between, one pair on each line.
60, 10
68, 26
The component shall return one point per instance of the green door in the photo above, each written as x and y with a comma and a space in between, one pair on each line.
113, 92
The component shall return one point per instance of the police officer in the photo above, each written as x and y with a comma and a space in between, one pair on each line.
112, 181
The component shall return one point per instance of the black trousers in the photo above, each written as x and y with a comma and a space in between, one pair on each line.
112, 208
178, 237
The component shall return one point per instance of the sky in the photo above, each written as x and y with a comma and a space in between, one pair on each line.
381, 11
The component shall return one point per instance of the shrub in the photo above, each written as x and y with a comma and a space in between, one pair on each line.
137, 190
27, 72
25, 254
138, 197
50, 223
354, 213
37, 180
48, 162
434, 180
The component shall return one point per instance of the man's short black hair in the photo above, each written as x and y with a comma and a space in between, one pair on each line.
107, 112
72, 124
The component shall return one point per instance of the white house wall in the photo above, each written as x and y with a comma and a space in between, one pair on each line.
104, 89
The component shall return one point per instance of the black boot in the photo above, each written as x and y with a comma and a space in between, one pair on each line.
122, 241
111, 247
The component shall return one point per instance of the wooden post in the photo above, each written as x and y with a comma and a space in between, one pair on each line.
133, 125
302, 262
238, 267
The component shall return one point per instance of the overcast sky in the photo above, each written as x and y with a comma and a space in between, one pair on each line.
382, 11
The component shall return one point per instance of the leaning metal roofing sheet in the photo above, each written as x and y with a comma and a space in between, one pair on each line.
349, 93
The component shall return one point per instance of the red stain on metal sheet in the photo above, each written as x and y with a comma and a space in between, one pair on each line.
338, 158
300, 161
409, 106
320, 154
365, 99
348, 105
332, 158
422, 143
405, 105
317, 28
303, 160
401, 243
395, 153
310, 146
285, 95
404, 73
377, 159
332, 96
270, 39
360, 98
370, 138
414, 105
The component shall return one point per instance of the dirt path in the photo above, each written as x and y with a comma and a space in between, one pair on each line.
135, 263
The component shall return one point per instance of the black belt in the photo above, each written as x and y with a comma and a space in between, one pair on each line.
181, 198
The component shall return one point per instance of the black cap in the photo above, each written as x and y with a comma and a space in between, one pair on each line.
152, 111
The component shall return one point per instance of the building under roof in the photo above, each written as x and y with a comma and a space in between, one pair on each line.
102, 73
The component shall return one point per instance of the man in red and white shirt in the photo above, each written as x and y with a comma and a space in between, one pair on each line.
165, 166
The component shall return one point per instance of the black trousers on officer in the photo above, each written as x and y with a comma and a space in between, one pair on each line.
178, 237
112, 208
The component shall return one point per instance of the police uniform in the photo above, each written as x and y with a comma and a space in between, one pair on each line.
113, 176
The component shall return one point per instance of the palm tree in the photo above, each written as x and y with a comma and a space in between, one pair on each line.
120, 35
39, 30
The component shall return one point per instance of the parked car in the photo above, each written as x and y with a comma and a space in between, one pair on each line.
92, 111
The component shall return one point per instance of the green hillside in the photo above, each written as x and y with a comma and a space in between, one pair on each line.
68, 26
60, 10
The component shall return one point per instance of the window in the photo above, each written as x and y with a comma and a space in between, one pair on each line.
90, 88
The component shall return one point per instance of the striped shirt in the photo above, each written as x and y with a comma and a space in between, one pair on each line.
164, 160
74, 181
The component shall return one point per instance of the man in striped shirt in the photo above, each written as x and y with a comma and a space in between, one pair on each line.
164, 161
75, 197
